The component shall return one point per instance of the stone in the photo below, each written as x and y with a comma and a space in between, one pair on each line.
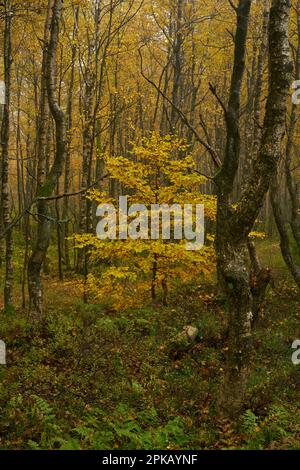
182, 342
192, 332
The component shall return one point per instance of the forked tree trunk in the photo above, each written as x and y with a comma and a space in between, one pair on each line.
234, 225
47, 188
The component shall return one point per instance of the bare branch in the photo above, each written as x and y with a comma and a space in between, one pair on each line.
209, 148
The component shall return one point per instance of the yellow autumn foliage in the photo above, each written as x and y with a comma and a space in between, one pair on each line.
158, 171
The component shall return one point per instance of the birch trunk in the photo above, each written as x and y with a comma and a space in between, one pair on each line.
5, 129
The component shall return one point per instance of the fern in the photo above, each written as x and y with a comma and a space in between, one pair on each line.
249, 423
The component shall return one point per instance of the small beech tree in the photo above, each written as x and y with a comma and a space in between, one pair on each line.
127, 271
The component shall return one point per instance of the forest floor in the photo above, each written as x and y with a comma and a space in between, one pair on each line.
86, 378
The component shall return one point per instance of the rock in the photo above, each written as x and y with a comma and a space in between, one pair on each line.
181, 342
192, 332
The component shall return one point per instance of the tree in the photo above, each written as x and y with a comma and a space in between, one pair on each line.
289, 227
156, 173
5, 135
235, 223
46, 189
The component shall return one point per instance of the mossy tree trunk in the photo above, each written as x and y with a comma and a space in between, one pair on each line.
48, 187
283, 221
235, 224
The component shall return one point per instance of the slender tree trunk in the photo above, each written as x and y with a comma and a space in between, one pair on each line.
19, 151
5, 128
86, 155
259, 80
177, 61
69, 144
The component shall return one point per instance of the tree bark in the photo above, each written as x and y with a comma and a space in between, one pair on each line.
281, 220
69, 143
234, 225
47, 188
5, 128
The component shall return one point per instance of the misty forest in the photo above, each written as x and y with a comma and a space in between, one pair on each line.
113, 336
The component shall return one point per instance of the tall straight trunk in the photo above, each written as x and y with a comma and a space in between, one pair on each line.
177, 61
59, 238
235, 224
69, 143
48, 187
43, 116
19, 159
259, 80
5, 128
86, 154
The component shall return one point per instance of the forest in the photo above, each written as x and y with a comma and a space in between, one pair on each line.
149, 225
